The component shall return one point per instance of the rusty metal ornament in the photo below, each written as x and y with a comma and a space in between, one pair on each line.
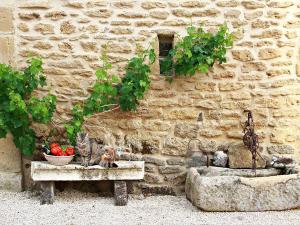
250, 138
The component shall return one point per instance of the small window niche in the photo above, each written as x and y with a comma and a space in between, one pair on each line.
166, 42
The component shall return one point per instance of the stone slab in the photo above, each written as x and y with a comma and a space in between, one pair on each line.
235, 193
10, 156
6, 19
11, 181
127, 170
6, 50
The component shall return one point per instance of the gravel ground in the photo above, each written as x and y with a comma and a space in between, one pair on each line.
76, 208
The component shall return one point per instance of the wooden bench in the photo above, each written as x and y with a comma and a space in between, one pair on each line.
47, 174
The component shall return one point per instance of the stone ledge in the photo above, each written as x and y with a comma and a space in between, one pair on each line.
11, 181
127, 170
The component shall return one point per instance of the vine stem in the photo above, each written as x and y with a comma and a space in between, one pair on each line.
62, 121
97, 114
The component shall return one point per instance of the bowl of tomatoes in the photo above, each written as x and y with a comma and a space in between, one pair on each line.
58, 155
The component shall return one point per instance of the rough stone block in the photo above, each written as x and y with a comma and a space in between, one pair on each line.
152, 5
44, 28
220, 159
154, 160
11, 181
269, 53
23, 27
170, 169
228, 3
29, 16
186, 130
175, 146
158, 14
253, 4
101, 13
10, 156
240, 157
242, 55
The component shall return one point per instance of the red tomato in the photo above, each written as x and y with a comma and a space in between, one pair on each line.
54, 150
65, 154
59, 151
70, 151
53, 145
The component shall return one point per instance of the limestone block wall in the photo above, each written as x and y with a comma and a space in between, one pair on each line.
261, 73
10, 158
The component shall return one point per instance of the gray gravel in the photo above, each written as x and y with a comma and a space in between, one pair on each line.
78, 208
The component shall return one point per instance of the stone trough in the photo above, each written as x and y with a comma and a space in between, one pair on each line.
47, 174
225, 189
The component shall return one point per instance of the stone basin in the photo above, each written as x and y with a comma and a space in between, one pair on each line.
224, 189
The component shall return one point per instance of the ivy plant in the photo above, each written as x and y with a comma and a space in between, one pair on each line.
110, 92
198, 51
18, 108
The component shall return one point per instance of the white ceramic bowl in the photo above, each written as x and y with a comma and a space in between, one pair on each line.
58, 160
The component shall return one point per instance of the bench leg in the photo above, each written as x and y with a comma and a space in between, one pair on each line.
47, 192
120, 191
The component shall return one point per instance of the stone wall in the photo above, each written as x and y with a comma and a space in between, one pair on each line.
261, 73
10, 158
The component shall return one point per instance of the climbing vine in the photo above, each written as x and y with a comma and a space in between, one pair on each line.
198, 51
18, 108
109, 92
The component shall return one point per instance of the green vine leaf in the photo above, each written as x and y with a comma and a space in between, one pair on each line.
198, 51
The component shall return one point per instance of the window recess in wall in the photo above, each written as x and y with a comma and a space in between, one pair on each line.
166, 43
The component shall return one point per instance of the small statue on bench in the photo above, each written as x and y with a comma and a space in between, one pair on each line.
93, 154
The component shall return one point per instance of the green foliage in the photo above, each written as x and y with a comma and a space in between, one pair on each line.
74, 126
104, 91
109, 91
42, 109
136, 81
18, 109
198, 51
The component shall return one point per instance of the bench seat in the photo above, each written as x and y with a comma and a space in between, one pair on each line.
47, 174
